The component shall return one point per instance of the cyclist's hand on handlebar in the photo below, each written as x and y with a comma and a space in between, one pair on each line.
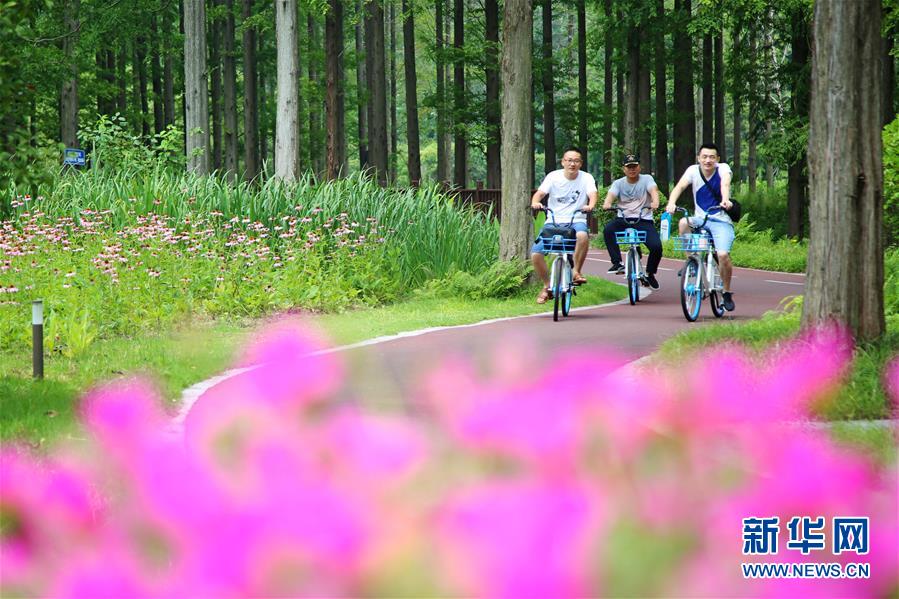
670, 208
537, 206
726, 204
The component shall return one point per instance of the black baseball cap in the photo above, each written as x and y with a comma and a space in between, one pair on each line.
630, 159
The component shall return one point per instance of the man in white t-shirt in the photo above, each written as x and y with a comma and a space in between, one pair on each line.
710, 181
572, 194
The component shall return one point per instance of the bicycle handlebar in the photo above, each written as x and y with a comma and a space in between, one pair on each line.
631, 220
549, 211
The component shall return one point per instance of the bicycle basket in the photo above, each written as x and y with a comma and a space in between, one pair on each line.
630, 237
558, 238
693, 242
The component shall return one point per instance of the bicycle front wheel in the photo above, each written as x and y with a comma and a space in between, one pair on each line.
567, 290
691, 288
556, 285
631, 275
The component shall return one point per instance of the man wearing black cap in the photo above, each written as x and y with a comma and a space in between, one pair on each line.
634, 193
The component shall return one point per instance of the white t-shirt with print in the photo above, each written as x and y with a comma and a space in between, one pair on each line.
567, 196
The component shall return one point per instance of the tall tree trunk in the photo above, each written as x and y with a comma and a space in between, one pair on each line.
156, 77
335, 97
140, 51
632, 97
215, 72
684, 116
229, 87
68, 104
196, 90
494, 168
752, 160
737, 99
287, 134
106, 68
719, 94
620, 112
411, 80
264, 94
442, 148
461, 143
250, 102
607, 96
168, 72
769, 164
582, 131
797, 180
362, 91
516, 223
662, 176
391, 98
315, 140
846, 170
549, 113
708, 105
374, 25
644, 109
447, 101
121, 79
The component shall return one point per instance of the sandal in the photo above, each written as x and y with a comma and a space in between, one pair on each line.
544, 295
578, 279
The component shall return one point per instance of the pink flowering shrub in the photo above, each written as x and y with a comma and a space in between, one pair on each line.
519, 483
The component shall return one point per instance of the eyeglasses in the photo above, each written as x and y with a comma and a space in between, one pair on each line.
572, 161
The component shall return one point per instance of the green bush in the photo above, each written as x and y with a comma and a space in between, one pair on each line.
502, 279
891, 182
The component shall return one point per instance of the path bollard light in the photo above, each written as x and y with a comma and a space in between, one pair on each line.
37, 338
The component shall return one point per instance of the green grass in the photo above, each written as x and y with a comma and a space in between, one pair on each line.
39, 412
862, 396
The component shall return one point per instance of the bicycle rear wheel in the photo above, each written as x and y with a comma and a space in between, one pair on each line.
556, 285
631, 275
691, 289
716, 300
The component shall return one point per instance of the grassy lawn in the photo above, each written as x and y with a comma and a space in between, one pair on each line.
41, 411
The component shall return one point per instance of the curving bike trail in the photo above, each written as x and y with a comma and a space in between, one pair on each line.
385, 371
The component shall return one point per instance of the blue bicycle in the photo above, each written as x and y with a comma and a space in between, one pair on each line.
559, 241
700, 277
634, 274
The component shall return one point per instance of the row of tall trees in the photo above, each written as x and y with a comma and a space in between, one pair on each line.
306, 86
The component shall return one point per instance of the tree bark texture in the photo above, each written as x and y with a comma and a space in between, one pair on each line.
753, 124
196, 90
156, 76
362, 91
719, 95
335, 99
517, 151
215, 73
287, 133
549, 112
737, 99
229, 88
708, 105
378, 149
644, 109
391, 97
684, 116
845, 258
68, 97
632, 92
250, 99
460, 141
662, 176
582, 130
121, 81
442, 149
168, 72
413, 160
607, 97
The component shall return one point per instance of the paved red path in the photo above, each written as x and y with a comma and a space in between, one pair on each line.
383, 373
387, 374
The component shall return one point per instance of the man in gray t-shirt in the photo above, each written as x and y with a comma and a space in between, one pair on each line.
638, 196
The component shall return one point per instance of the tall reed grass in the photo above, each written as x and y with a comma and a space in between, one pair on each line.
427, 233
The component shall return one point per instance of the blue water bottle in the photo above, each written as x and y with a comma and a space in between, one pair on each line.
665, 226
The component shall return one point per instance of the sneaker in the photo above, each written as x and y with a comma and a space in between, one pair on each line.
728, 301
616, 269
651, 279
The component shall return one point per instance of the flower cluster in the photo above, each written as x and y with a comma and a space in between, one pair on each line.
521, 483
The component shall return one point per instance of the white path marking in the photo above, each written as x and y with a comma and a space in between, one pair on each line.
783, 282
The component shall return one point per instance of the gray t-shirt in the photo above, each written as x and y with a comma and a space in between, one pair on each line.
634, 196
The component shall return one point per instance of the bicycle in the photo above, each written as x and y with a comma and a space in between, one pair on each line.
560, 243
634, 274
700, 277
